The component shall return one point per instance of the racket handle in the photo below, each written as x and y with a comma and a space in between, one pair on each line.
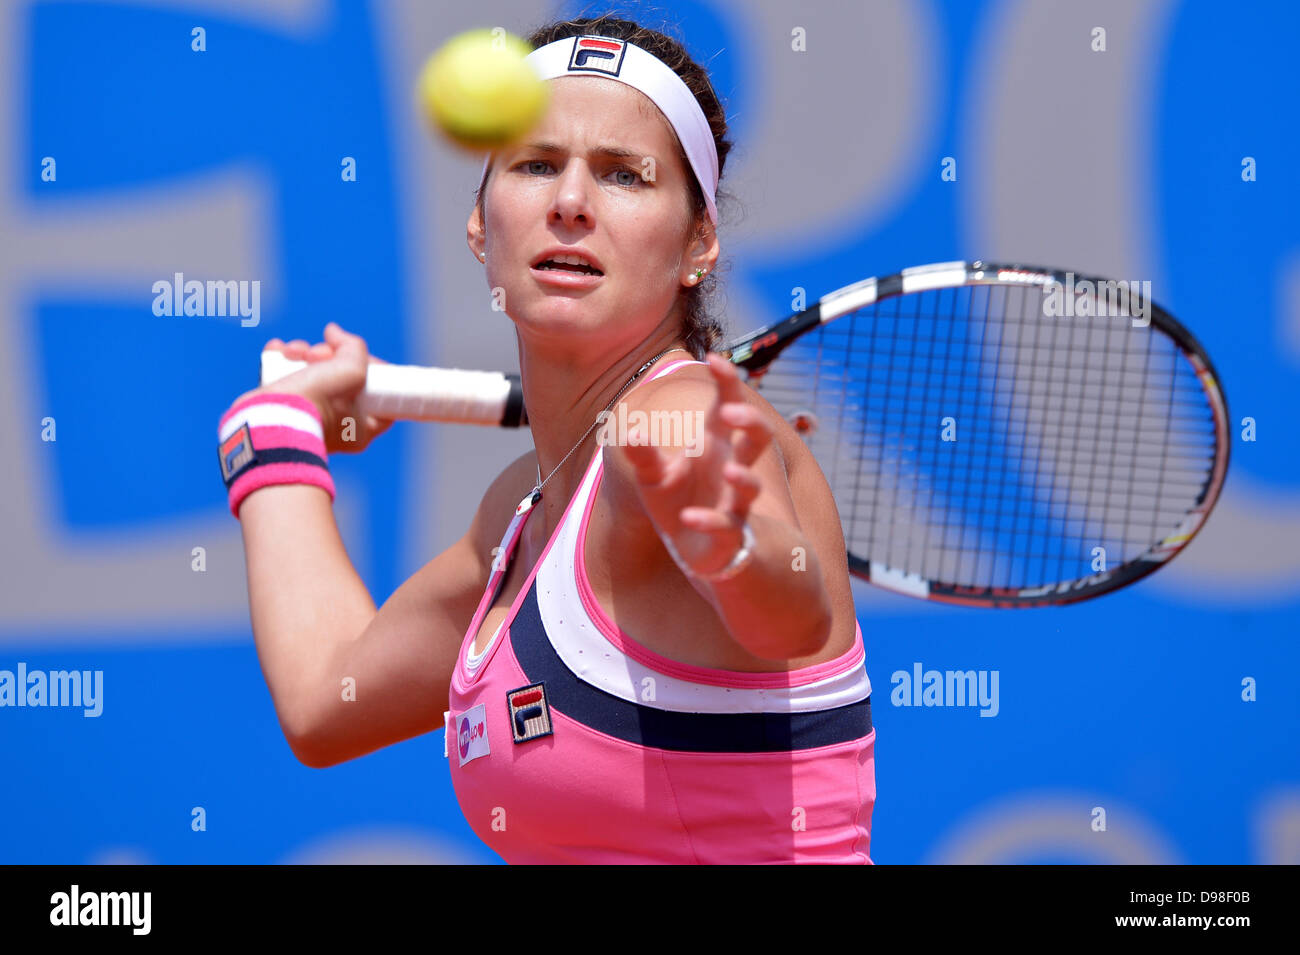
416, 393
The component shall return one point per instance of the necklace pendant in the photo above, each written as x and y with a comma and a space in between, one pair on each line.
527, 503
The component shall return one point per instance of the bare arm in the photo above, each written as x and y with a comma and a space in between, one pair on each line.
304, 595
346, 678
386, 677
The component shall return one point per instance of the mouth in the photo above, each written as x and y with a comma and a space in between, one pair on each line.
565, 273
568, 259
551, 265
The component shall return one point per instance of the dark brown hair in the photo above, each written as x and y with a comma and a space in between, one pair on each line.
701, 330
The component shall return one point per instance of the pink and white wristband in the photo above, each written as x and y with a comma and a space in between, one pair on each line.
271, 439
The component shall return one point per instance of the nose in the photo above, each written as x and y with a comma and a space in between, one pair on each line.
572, 201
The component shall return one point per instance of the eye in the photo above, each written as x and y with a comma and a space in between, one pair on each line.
629, 171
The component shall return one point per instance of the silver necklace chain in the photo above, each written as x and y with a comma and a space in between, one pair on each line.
537, 491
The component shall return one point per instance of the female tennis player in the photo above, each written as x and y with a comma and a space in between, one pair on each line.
644, 648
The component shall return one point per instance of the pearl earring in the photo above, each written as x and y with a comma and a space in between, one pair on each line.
696, 277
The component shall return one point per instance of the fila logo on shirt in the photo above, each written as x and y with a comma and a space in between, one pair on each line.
597, 54
471, 734
530, 716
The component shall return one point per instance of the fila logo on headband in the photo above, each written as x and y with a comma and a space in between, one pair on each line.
597, 54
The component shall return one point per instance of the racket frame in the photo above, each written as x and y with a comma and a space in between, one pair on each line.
757, 350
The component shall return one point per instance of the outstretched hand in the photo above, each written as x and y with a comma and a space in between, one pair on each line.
699, 502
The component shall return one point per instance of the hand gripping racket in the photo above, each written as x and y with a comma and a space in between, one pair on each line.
416, 393
994, 435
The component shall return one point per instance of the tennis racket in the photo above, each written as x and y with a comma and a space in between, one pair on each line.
993, 435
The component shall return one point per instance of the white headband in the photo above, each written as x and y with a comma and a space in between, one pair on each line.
607, 58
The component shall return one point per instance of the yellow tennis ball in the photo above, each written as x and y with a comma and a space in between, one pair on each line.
479, 91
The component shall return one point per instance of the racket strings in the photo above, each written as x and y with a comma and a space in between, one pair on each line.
972, 439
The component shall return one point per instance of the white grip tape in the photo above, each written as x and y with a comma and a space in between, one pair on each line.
410, 392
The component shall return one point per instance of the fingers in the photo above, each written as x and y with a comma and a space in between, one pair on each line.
337, 343
745, 487
733, 411
742, 489
299, 349
336, 336
707, 520
647, 464
727, 377
347, 344
751, 432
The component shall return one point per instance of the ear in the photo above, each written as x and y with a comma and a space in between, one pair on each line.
476, 234
704, 250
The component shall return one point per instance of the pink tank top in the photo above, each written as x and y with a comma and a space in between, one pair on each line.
570, 742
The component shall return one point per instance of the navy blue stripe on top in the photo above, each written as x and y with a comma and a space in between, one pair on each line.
666, 729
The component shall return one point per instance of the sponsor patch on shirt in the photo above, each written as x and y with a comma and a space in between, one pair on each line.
471, 734
530, 717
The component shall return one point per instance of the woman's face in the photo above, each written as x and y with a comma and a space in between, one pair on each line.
630, 213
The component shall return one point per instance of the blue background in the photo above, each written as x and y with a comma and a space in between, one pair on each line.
1132, 702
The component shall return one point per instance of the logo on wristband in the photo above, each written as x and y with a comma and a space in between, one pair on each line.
236, 453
